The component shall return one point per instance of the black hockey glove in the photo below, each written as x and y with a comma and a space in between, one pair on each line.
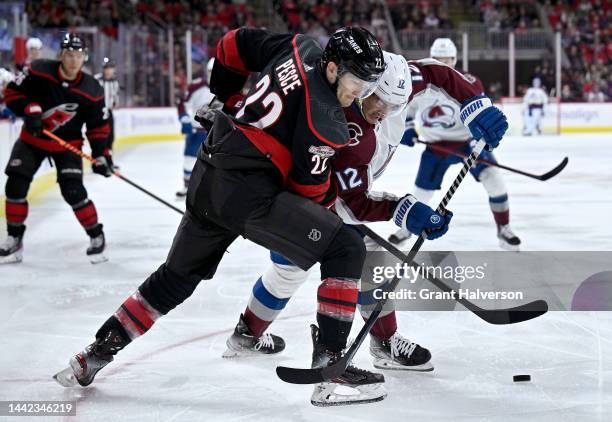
32, 120
103, 165
205, 115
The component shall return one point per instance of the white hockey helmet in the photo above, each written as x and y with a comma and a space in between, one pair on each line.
444, 47
537, 82
209, 67
34, 43
5, 77
395, 85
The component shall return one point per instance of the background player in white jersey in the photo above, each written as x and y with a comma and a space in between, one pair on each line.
197, 96
534, 102
438, 118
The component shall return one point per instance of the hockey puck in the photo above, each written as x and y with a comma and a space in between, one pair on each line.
521, 378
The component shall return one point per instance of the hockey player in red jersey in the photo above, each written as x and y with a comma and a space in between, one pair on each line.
376, 125
264, 175
59, 97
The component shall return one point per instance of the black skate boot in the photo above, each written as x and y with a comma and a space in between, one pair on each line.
95, 251
399, 353
11, 251
355, 386
400, 236
85, 365
507, 239
242, 344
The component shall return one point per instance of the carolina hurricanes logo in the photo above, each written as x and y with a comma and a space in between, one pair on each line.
439, 115
58, 116
355, 132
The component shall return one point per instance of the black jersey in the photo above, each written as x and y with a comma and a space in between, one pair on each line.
66, 106
291, 115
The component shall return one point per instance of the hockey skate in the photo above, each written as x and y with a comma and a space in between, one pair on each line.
95, 251
399, 236
181, 193
507, 239
355, 386
11, 251
399, 353
241, 343
85, 365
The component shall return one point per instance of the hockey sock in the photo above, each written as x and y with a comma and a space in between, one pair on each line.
262, 310
384, 327
337, 299
500, 208
16, 214
87, 215
136, 315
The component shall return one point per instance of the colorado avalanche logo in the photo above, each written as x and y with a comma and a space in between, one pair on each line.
355, 132
439, 115
58, 116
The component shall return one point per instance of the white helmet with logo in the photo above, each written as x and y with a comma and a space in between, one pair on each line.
395, 84
443, 47
34, 43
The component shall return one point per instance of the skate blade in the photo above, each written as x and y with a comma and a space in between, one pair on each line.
395, 366
66, 378
508, 247
14, 258
97, 258
330, 394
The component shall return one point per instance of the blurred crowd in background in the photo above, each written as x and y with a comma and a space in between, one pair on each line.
585, 27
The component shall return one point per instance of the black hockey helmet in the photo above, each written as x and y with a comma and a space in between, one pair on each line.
356, 50
73, 42
107, 62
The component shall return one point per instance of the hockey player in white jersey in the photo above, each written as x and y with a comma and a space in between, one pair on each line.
437, 117
198, 95
376, 126
534, 107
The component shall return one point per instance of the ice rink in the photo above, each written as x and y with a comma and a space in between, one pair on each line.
52, 304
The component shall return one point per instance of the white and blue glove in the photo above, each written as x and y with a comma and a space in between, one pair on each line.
410, 134
186, 127
416, 216
484, 120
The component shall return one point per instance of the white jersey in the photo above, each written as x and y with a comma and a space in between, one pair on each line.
535, 97
198, 95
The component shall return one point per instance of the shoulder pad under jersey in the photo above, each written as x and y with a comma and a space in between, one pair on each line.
324, 113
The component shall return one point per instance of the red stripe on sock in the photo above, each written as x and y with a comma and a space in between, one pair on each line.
139, 311
256, 325
16, 212
87, 215
384, 327
502, 217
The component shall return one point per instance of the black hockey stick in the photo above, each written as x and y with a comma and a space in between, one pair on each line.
115, 172
512, 315
543, 177
317, 375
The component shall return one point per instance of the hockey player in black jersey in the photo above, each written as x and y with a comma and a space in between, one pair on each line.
59, 97
264, 174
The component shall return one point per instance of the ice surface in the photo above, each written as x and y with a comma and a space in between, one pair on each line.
53, 302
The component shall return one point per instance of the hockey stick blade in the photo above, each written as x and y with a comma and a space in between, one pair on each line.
554, 171
514, 315
313, 375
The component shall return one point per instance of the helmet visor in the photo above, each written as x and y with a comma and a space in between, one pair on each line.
358, 87
385, 108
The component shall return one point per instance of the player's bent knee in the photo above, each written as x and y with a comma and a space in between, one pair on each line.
17, 187
73, 191
345, 255
493, 181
